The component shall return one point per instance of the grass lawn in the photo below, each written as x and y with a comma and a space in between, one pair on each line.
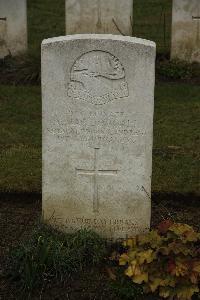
46, 19
152, 21
20, 136
176, 138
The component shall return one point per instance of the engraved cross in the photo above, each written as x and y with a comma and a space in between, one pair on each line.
95, 173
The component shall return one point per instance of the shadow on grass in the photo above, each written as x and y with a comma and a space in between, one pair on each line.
176, 199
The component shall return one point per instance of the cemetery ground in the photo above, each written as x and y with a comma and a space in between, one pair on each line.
175, 178
175, 181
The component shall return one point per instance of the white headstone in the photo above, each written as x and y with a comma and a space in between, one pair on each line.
186, 30
13, 27
98, 100
99, 16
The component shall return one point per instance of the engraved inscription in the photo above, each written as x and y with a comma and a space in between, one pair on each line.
100, 224
117, 126
95, 173
97, 77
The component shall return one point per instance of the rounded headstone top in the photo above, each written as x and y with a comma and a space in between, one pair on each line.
111, 37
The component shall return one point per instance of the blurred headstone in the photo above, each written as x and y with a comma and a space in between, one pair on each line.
99, 16
186, 30
13, 27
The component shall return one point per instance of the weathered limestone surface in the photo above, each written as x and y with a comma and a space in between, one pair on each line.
186, 30
13, 27
98, 100
99, 16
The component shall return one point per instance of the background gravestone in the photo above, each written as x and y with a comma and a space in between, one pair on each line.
186, 30
13, 27
98, 100
99, 16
